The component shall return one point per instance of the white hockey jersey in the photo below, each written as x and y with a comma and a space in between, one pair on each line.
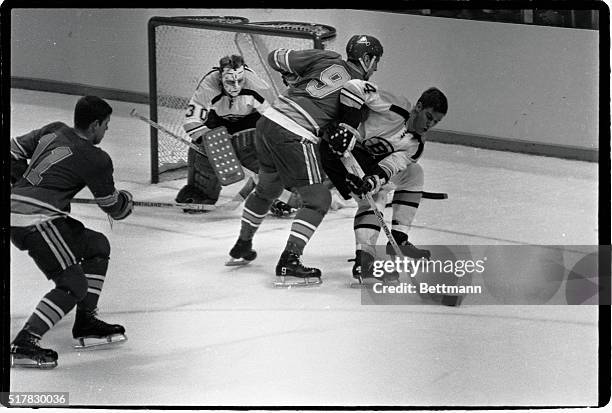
255, 96
384, 133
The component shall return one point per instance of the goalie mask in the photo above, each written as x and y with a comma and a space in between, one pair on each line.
231, 70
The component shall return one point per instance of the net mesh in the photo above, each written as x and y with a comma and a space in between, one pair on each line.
183, 55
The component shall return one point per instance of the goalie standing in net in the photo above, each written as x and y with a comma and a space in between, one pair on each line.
287, 146
233, 96
62, 161
387, 144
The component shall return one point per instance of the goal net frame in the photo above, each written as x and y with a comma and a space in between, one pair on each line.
246, 35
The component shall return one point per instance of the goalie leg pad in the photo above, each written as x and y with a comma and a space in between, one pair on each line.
220, 150
190, 194
201, 178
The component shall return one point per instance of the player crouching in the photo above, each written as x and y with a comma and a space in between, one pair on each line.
387, 145
220, 119
48, 167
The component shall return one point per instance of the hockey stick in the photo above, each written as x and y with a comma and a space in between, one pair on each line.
166, 131
353, 166
350, 163
435, 195
178, 205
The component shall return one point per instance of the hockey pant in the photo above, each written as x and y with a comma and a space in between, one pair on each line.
75, 258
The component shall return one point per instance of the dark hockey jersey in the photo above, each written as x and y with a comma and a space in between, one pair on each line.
316, 77
62, 163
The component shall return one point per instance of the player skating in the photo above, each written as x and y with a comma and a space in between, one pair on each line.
287, 146
62, 161
388, 145
233, 96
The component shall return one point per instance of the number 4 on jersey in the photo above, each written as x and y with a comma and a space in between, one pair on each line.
369, 88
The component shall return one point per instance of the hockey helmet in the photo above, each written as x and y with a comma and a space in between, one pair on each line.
361, 44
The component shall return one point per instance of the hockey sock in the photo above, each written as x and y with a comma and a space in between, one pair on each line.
367, 229
405, 205
316, 200
253, 213
258, 203
55, 305
303, 227
95, 272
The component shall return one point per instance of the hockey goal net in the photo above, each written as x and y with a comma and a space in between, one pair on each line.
183, 49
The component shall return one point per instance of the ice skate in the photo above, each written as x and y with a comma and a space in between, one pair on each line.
241, 253
25, 352
289, 265
90, 332
406, 247
363, 272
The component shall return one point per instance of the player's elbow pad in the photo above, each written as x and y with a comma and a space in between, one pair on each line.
350, 116
123, 207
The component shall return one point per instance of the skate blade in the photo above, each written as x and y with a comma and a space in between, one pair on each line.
93, 343
237, 262
307, 282
25, 362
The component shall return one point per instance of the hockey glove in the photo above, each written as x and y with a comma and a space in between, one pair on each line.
372, 184
343, 139
127, 206
369, 183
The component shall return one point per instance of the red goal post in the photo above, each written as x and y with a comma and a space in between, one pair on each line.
183, 49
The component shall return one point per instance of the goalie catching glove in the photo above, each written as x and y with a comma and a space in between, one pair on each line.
343, 139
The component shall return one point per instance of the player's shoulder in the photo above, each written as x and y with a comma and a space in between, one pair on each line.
54, 127
396, 99
320, 53
315, 57
211, 80
95, 157
360, 88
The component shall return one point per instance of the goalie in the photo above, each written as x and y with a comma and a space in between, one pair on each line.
232, 96
387, 145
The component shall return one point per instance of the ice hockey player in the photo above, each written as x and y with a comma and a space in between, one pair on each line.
387, 145
62, 161
230, 95
287, 146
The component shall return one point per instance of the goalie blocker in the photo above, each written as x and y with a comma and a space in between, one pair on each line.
226, 154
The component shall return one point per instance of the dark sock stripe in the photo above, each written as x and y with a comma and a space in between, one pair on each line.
410, 204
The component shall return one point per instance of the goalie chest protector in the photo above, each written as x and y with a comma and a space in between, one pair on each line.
218, 145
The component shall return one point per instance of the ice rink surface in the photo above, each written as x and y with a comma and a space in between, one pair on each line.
203, 334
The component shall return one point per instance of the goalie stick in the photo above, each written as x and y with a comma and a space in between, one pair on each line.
166, 131
179, 205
